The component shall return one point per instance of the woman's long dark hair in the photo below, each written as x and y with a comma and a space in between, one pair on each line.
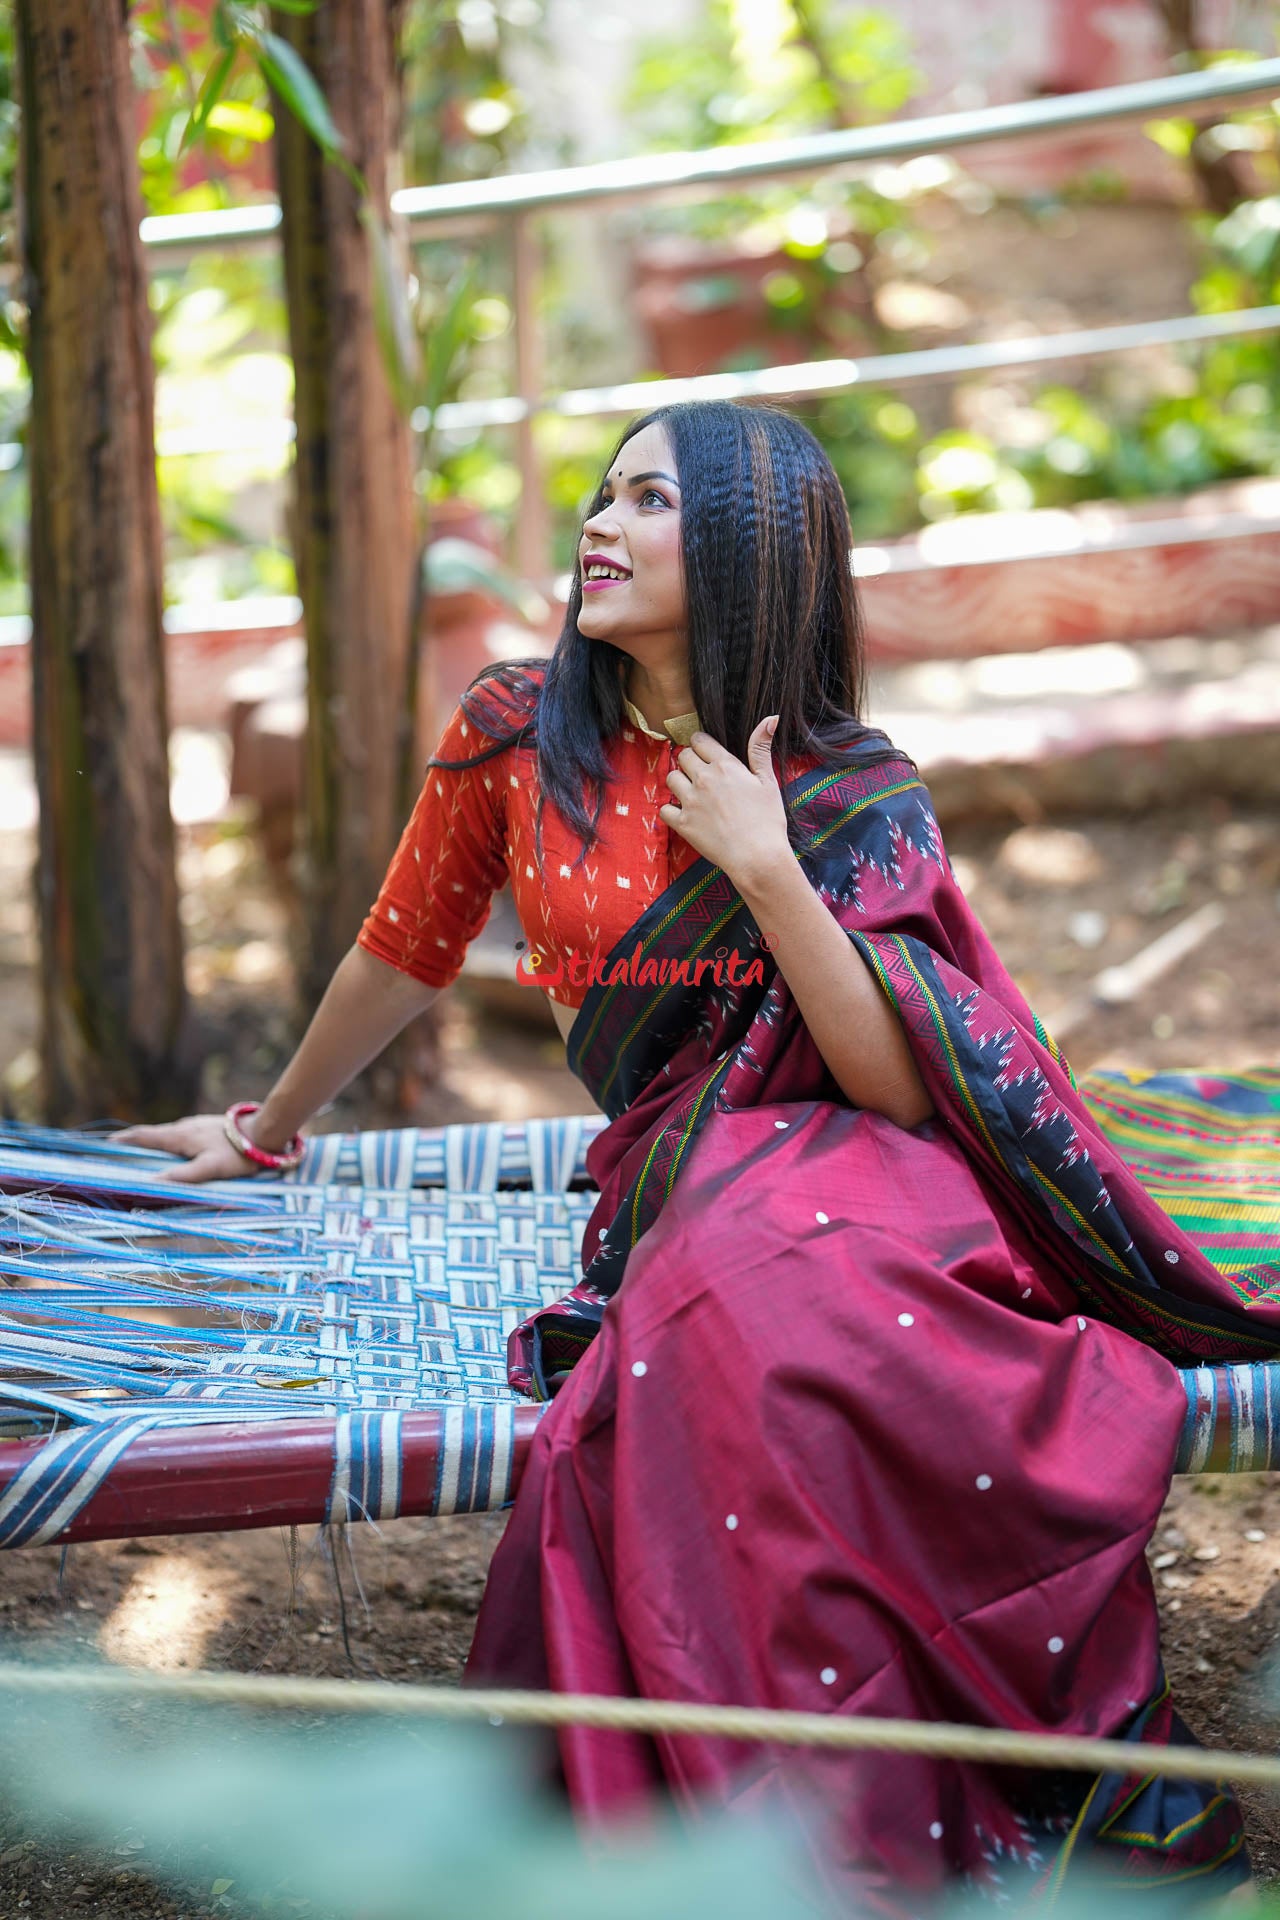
773, 619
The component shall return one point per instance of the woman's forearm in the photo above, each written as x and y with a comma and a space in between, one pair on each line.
853, 1026
366, 1004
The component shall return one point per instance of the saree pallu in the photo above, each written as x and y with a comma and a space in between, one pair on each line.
881, 1421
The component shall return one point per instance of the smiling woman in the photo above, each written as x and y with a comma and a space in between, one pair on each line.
633, 594
866, 1400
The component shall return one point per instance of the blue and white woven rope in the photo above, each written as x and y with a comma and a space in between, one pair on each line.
367, 1467
381, 1276
1232, 1422
62, 1479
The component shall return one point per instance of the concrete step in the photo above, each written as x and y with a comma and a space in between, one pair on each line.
1208, 562
1101, 728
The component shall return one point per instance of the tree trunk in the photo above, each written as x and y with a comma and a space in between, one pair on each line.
353, 506
111, 944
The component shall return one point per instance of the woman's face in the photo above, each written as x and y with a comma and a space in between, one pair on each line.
637, 533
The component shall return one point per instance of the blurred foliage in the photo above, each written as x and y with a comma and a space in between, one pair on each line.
464, 117
210, 77
444, 334
209, 80
775, 72
805, 66
348, 1816
8, 132
1180, 419
203, 78
253, 1811
460, 566
1217, 419
768, 72
223, 379
799, 66
185, 164
14, 395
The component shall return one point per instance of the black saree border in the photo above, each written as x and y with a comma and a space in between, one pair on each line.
1118, 1281
606, 1047
998, 1081
1207, 1844
650, 1188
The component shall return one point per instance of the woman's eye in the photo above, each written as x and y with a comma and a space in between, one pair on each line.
650, 493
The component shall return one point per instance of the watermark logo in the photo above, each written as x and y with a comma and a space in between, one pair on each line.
726, 966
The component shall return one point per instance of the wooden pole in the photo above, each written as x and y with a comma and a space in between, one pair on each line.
111, 948
533, 528
353, 511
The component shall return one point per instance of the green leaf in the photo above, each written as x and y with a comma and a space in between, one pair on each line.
292, 79
295, 6
240, 119
222, 29
242, 25
392, 322
448, 338
220, 1887
1174, 136
207, 99
200, 525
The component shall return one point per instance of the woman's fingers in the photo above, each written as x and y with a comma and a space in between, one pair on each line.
143, 1137
199, 1145
217, 1162
190, 1173
188, 1136
196, 1137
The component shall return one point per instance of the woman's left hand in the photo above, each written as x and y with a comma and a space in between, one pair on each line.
733, 814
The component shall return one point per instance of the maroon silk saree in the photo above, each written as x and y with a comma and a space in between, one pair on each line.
855, 1419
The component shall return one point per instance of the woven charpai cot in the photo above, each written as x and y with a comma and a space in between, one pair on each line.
366, 1297
331, 1345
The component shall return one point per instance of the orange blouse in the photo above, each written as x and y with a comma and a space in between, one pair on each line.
473, 828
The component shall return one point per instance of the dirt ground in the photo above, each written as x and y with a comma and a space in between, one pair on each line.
1061, 903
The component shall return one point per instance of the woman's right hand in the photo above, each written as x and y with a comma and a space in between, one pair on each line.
200, 1141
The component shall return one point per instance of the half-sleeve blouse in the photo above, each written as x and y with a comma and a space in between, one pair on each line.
473, 828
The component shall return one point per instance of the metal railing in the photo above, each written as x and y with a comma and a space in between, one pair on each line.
470, 205
510, 205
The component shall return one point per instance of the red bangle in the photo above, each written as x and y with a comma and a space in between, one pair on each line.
259, 1156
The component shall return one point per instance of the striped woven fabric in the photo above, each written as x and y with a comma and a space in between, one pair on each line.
1233, 1420
1207, 1147
475, 1461
332, 1345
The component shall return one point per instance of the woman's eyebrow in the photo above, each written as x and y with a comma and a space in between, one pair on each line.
657, 474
